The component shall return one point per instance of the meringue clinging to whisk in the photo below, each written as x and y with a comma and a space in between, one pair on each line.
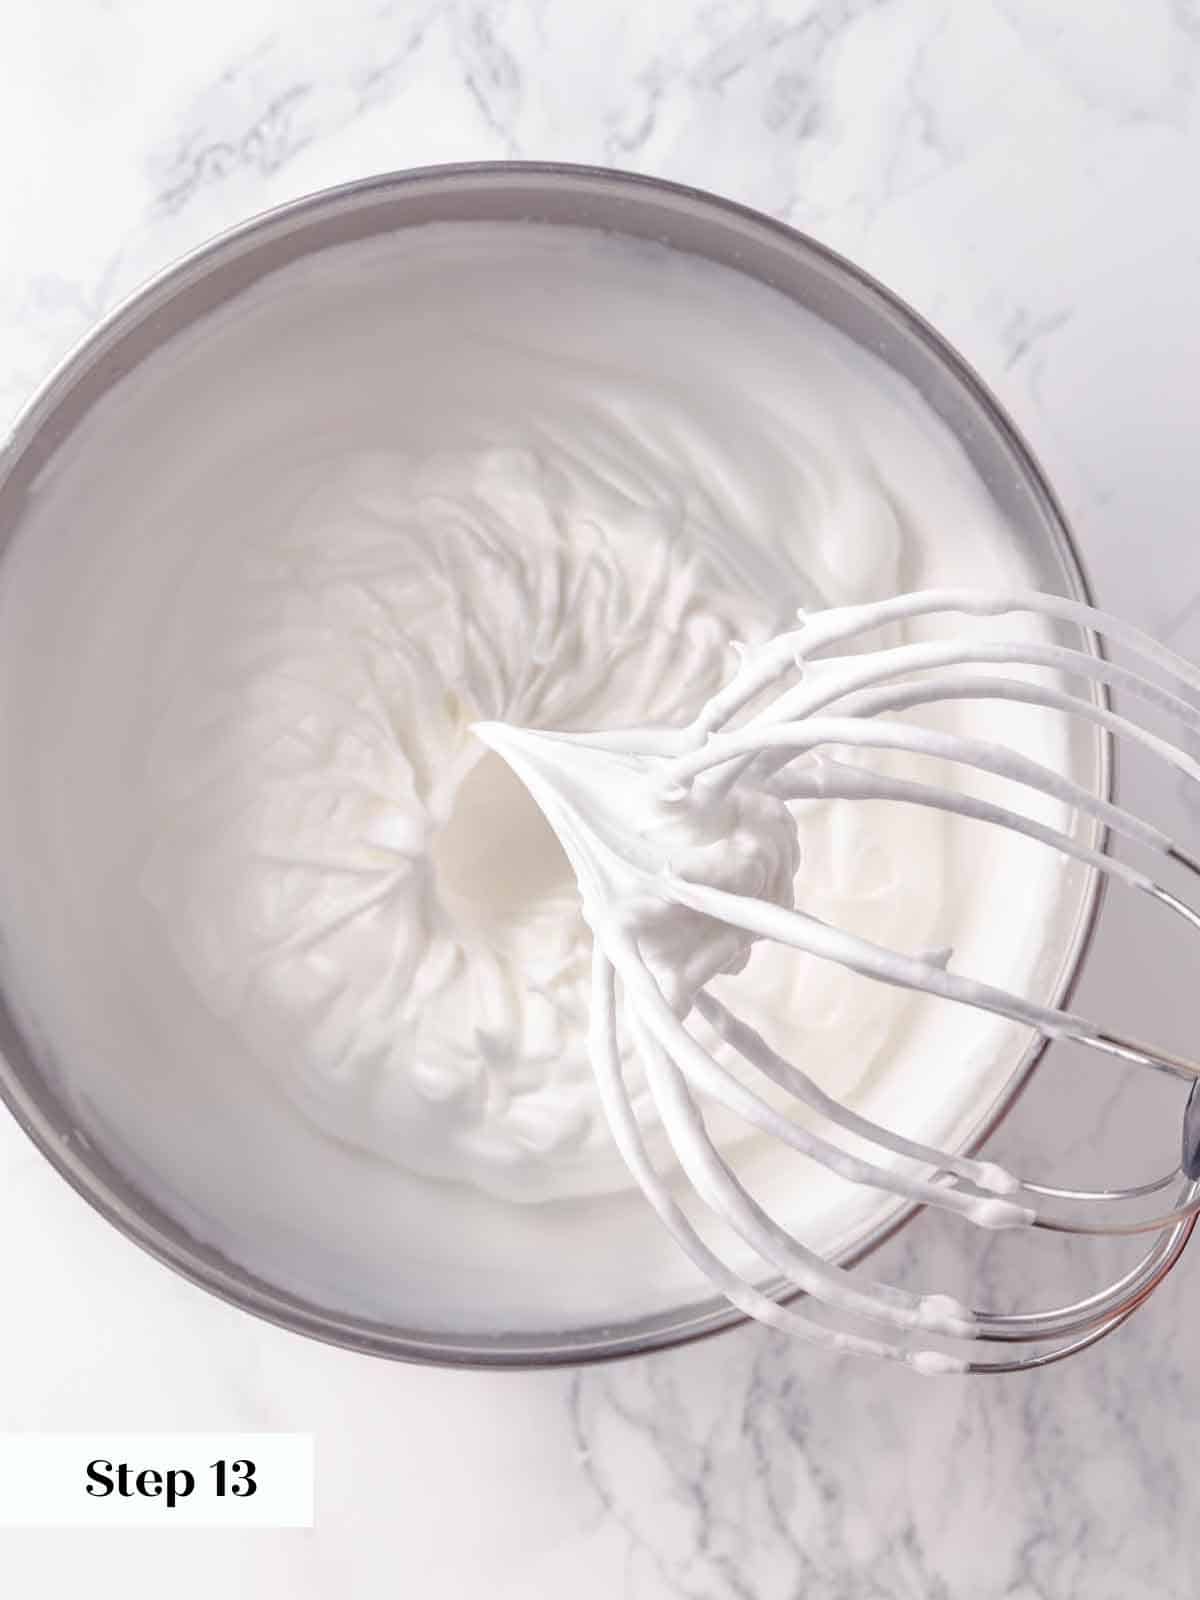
686, 853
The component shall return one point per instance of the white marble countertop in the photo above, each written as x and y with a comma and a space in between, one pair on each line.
1023, 171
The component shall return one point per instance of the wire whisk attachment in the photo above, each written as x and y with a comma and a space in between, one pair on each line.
686, 852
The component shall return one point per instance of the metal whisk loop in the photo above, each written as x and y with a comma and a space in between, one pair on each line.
740, 746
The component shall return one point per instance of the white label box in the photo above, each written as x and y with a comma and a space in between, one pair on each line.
156, 1480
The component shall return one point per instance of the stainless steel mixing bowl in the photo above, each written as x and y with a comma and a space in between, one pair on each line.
689, 220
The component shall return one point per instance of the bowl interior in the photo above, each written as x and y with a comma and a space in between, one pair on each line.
690, 222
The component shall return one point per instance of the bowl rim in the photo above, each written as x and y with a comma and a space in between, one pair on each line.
74, 1159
